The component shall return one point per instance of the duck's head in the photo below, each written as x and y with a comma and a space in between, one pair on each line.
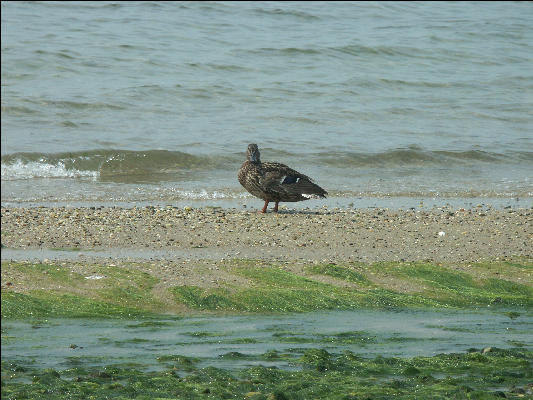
253, 153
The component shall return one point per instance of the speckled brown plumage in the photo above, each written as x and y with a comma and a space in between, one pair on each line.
272, 181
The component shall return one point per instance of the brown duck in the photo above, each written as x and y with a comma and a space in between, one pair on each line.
272, 181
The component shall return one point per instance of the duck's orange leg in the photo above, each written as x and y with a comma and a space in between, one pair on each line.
264, 210
276, 206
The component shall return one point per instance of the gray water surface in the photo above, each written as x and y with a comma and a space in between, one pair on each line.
157, 101
66, 343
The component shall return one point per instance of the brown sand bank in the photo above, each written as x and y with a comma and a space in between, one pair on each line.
367, 235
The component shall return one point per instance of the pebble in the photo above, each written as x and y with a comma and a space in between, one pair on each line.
360, 235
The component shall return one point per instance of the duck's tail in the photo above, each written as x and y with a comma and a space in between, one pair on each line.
306, 189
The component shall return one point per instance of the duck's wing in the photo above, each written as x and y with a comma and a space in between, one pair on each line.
277, 171
289, 184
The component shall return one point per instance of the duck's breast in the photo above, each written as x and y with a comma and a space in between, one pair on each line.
251, 178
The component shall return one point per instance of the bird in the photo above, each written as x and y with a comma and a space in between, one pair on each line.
273, 181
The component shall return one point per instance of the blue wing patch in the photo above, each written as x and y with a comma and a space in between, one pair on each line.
290, 179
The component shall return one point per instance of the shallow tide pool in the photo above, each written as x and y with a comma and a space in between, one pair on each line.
234, 342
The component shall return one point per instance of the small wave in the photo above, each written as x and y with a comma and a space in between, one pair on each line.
358, 50
60, 54
35, 169
415, 156
277, 12
18, 110
219, 67
76, 105
287, 51
413, 83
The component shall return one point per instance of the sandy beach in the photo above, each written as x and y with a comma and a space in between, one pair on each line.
366, 235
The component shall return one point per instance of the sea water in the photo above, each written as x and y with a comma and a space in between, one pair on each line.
155, 102
62, 344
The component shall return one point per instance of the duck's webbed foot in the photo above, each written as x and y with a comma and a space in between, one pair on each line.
264, 210
276, 206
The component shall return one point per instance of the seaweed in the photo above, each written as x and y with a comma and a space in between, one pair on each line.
320, 374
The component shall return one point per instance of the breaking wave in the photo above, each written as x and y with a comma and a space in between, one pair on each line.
160, 165
148, 165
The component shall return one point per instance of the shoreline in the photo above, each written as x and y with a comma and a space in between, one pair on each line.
351, 201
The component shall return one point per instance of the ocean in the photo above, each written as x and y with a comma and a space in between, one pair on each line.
382, 103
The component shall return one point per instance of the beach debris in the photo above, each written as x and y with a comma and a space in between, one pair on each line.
442, 233
94, 277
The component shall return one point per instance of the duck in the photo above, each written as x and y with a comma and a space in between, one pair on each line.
275, 182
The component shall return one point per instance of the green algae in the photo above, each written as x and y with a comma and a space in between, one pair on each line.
451, 328
342, 338
341, 272
207, 334
122, 294
316, 373
277, 290
43, 304
152, 325
512, 314
130, 297
47, 274
270, 288
304, 296
352, 337
179, 362
461, 289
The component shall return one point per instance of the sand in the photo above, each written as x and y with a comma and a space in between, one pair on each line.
360, 235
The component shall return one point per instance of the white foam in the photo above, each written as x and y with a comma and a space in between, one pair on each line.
35, 169
209, 195
310, 196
